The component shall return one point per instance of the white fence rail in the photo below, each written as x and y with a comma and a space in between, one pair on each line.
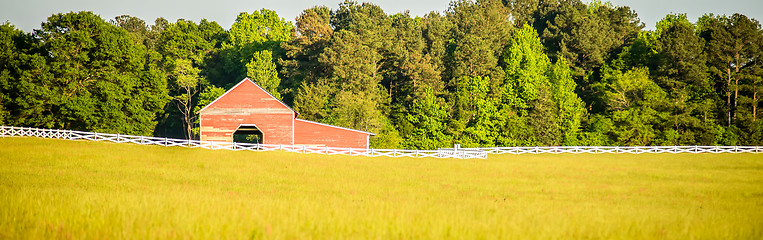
613, 149
7, 131
461, 153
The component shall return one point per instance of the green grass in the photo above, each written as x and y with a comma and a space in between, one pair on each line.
73, 189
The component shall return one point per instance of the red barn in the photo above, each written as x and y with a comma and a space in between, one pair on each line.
248, 113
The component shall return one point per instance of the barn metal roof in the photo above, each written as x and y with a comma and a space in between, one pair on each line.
327, 125
258, 86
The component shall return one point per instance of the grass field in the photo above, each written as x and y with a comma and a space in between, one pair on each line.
72, 189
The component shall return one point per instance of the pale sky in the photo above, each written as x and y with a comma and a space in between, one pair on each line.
28, 14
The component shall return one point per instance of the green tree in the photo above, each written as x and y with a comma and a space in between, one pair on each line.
312, 34
679, 68
635, 105
25, 98
543, 118
185, 39
522, 10
251, 33
358, 110
587, 36
262, 70
733, 45
186, 83
313, 101
137, 29
527, 86
571, 109
541, 91
436, 35
354, 61
410, 70
260, 27
83, 73
354, 67
480, 113
185, 47
479, 33
428, 116
527, 68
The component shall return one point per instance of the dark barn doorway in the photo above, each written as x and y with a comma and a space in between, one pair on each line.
247, 133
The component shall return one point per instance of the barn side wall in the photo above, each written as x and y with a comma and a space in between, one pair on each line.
220, 126
314, 134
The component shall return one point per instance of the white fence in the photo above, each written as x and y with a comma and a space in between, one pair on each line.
612, 149
6, 131
462, 153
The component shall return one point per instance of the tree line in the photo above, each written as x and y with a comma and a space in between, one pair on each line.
482, 73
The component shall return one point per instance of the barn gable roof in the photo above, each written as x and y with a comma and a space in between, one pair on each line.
327, 125
255, 84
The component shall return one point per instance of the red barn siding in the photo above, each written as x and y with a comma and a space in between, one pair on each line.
276, 129
248, 103
316, 134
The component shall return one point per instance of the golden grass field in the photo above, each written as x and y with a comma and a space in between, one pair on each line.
60, 189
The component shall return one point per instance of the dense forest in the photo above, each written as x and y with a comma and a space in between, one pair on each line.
484, 73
